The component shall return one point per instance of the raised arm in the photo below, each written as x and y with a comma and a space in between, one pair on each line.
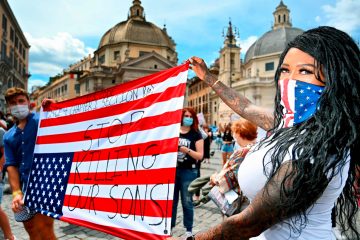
240, 104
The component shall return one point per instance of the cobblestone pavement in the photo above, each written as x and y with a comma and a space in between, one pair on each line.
205, 216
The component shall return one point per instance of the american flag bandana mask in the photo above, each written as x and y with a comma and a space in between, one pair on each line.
299, 100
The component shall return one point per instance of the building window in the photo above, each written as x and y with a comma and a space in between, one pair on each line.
77, 88
16, 42
116, 55
87, 85
269, 66
142, 53
12, 35
113, 81
102, 59
12, 55
16, 63
249, 72
3, 50
155, 66
4, 24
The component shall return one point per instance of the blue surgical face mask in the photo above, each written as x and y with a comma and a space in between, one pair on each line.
299, 100
187, 121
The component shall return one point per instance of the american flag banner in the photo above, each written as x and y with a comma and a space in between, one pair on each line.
107, 160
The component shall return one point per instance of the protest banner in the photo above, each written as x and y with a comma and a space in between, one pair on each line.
107, 160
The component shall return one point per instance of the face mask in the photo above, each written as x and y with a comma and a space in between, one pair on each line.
299, 100
20, 111
187, 121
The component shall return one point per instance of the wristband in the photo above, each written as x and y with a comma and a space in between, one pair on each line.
189, 150
15, 193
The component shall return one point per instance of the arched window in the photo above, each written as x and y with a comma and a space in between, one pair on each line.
279, 18
284, 18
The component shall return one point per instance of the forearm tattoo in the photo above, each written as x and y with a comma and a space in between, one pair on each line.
240, 104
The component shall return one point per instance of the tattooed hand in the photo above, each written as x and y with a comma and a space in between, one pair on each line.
262, 117
199, 67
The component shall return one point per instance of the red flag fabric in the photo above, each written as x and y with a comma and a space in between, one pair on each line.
107, 160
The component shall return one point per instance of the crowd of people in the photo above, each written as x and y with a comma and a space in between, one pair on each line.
296, 179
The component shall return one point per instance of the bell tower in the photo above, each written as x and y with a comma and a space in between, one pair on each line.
281, 16
137, 11
229, 60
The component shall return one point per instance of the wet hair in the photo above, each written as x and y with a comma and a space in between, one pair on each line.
14, 92
322, 144
195, 125
245, 129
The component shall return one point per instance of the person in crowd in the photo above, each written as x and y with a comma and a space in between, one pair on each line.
245, 135
4, 220
308, 161
190, 151
207, 143
227, 142
218, 139
19, 143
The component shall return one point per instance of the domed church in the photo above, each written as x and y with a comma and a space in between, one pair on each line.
129, 50
253, 76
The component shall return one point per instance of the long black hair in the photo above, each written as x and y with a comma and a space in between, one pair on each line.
323, 144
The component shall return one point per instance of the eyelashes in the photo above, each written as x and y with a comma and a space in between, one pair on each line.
300, 71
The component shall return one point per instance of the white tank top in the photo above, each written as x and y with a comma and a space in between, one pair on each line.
252, 179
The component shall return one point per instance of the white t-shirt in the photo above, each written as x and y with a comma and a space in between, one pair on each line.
252, 179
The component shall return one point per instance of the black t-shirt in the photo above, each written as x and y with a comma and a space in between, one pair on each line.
188, 140
227, 136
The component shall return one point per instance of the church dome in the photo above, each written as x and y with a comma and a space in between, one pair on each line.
272, 42
137, 30
275, 41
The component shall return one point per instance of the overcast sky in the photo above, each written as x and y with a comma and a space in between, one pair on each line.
62, 32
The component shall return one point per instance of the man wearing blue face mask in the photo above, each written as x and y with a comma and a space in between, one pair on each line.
19, 143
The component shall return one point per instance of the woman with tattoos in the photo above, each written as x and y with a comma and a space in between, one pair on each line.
308, 162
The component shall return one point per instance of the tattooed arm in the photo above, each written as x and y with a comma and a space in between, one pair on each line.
240, 104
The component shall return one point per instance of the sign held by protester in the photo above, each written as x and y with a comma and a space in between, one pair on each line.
107, 160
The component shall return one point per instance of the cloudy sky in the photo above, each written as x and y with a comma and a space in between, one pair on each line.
62, 32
